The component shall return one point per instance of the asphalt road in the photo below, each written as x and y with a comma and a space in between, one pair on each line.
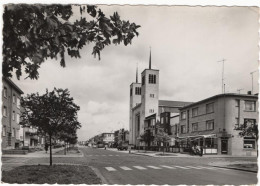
123, 168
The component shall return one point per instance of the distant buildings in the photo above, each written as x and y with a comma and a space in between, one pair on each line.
11, 96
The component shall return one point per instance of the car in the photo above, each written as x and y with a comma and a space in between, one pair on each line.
123, 146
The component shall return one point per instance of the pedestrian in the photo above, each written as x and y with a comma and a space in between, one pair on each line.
46, 147
201, 150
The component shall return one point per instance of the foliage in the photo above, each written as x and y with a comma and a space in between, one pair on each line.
53, 113
161, 136
34, 33
251, 130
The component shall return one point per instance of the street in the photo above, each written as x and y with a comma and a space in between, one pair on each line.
116, 167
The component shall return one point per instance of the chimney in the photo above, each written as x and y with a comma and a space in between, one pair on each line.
249, 92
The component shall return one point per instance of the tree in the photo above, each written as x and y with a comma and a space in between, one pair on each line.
52, 113
145, 137
161, 136
34, 33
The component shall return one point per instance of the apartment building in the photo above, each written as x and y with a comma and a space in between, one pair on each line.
11, 96
215, 123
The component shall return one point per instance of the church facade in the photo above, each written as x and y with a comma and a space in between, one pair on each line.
145, 107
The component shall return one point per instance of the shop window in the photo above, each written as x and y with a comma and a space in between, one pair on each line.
210, 108
209, 142
210, 125
249, 105
249, 143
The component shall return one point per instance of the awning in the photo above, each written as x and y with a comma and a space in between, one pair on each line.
198, 137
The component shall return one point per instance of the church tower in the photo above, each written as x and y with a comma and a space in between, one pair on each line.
149, 94
135, 99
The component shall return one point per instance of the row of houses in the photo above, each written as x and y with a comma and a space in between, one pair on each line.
13, 135
213, 123
112, 139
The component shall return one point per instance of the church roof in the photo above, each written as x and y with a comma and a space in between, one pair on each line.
179, 104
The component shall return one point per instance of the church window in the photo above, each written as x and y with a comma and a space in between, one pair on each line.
143, 80
137, 90
152, 79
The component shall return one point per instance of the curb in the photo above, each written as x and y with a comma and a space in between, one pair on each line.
233, 168
97, 172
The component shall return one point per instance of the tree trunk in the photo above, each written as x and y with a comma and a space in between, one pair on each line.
50, 152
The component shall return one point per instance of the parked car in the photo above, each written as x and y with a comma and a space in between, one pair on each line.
101, 145
123, 146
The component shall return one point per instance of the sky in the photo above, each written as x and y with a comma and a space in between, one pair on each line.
186, 45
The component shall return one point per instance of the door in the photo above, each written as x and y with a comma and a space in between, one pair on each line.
224, 146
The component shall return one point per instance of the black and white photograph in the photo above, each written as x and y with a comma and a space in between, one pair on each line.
129, 94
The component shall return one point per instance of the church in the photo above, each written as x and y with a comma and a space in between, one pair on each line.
146, 109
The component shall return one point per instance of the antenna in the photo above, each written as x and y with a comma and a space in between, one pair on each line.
252, 75
239, 90
222, 84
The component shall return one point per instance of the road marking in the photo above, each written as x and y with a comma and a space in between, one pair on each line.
194, 167
139, 167
153, 167
168, 167
213, 168
125, 168
110, 169
182, 167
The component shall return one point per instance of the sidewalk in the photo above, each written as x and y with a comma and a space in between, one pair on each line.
42, 154
170, 155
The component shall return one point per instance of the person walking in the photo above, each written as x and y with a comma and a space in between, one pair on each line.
46, 147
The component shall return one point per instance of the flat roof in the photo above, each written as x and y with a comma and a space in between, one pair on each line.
219, 96
178, 104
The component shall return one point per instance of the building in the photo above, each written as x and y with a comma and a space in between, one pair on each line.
214, 122
146, 108
29, 138
11, 96
108, 138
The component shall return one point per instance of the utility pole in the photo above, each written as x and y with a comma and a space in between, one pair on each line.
252, 75
222, 84
239, 90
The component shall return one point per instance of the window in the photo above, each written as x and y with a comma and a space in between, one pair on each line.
4, 131
183, 129
194, 127
18, 104
151, 95
166, 119
237, 103
13, 132
249, 143
137, 90
236, 122
131, 90
14, 98
143, 80
151, 110
194, 112
162, 120
5, 111
17, 134
209, 142
13, 115
210, 108
249, 105
249, 122
18, 118
183, 115
210, 125
152, 79
5, 92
